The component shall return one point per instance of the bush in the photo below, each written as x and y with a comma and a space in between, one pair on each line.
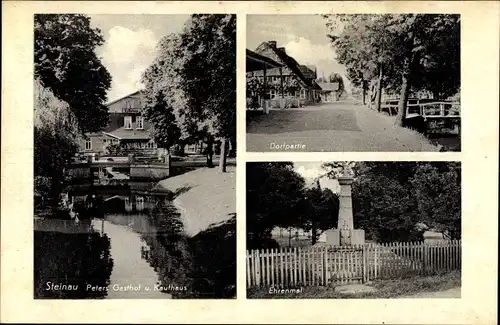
55, 143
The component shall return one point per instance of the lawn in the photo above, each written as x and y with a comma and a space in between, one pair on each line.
203, 196
397, 288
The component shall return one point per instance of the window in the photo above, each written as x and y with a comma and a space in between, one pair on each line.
128, 122
302, 94
140, 122
139, 202
88, 144
273, 93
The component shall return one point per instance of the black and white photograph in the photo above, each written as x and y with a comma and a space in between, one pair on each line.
353, 229
353, 83
134, 156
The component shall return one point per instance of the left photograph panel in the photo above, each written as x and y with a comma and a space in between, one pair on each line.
134, 156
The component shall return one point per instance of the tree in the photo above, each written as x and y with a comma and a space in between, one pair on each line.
335, 77
321, 211
210, 74
194, 73
408, 52
335, 169
438, 197
275, 197
384, 209
390, 198
165, 132
66, 63
55, 142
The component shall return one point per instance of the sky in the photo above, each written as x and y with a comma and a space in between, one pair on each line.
311, 170
303, 37
130, 45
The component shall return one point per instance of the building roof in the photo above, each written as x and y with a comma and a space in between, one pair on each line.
256, 62
123, 134
307, 72
328, 86
290, 62
116, 100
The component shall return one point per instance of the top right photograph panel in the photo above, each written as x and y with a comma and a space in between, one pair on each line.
353, 83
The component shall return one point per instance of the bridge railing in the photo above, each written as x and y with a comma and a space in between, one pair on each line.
428, 110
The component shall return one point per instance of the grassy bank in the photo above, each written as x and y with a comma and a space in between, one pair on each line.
400, 288
203, 196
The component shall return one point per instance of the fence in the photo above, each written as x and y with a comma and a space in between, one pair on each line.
434, 109
322, 265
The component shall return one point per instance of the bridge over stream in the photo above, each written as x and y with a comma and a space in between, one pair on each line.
133, 168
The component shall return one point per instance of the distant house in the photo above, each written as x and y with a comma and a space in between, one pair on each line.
291, 80
127, 127
131, 131
329, 91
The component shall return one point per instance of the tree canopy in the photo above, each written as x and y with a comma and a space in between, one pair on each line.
55, 142
335, 77
193, 78
66, 63
274, 195
320, 212
390, 200
409, 52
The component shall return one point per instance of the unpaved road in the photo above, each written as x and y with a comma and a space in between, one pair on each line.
338, 126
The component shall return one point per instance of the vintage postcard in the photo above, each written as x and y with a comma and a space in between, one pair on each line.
362, 229
260, 162
134, 197
353, 82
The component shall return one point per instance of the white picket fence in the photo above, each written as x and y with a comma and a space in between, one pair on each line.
321, 265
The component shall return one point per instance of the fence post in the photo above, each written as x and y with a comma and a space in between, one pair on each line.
424, 258
364, 259
267, 266
249, 281
325, 261
304, 270
254, 268
281, 266
257, 267
375, 261
295, 263
272, 266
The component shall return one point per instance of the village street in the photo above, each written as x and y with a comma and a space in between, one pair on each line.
345, 125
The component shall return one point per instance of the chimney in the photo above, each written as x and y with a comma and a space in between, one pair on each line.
272, 44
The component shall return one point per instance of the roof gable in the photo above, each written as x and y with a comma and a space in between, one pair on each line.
131, 103
134, 94
271, 51
328, 86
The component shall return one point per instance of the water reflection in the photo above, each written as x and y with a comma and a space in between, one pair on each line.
130, 246
68, 256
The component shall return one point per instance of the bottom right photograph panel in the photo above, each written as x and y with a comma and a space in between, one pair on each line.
353, 229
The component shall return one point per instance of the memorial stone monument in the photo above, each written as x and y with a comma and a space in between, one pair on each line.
345, 234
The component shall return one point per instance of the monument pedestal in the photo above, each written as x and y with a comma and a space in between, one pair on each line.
337, 237
345, 235
333, 237
357, 237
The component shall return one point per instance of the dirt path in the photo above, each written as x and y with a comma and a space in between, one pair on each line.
339, 126
451, 293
